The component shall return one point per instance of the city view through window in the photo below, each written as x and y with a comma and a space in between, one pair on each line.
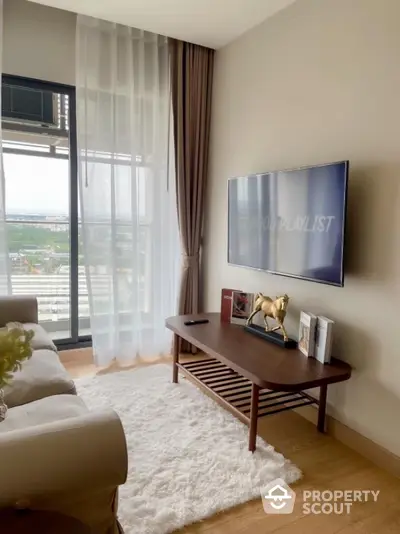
37, 214
36, 133
40, 199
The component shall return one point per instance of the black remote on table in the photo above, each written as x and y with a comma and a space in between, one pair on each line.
196, 321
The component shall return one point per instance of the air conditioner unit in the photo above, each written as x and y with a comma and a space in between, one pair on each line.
23, 105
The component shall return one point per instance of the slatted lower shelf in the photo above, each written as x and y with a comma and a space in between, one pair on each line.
234, 390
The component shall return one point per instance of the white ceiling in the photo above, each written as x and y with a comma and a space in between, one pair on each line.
212, 23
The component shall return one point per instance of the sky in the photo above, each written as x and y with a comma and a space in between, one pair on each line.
36, 185
40, 186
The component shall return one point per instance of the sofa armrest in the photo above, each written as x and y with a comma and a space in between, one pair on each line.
21, 309
80, 453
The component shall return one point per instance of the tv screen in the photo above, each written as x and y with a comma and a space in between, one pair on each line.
290, 222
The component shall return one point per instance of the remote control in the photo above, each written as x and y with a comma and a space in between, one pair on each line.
194, 321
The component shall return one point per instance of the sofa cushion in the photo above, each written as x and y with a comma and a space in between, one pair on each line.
43, 411
41, 339
41, 376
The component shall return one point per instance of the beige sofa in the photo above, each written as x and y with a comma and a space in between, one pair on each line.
55, 454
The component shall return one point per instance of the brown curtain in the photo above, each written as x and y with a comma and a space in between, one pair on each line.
191, 85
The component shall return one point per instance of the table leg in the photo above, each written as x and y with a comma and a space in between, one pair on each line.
323, 390
255, 391
175, 359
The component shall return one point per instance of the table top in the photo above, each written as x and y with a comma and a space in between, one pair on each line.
267, 365
40, 522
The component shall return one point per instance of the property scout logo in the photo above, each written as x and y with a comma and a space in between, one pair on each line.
279, 498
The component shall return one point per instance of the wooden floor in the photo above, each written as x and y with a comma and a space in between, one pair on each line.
326, 465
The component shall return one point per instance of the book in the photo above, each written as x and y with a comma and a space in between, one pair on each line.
242, 306
226, 304
323, 339
308, 323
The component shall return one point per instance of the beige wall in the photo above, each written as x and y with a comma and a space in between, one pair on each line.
38, 42
320, 82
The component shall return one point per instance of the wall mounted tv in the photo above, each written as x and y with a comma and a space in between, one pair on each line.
290, 222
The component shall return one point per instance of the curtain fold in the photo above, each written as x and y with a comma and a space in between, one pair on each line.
191, 86
5, 271
127, 202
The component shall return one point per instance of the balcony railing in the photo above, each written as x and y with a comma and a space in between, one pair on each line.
53, 294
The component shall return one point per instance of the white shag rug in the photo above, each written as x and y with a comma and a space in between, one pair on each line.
188, 457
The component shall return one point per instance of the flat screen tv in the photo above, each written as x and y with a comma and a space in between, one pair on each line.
290, 222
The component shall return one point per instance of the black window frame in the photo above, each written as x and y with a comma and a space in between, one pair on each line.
75, 340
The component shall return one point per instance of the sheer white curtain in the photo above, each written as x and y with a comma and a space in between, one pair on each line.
5, 275
127, 197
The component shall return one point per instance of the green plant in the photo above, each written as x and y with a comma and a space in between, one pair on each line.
15, 347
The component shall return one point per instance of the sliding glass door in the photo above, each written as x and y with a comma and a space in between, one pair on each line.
40, 167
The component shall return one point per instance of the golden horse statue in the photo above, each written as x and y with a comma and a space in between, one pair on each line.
276, 309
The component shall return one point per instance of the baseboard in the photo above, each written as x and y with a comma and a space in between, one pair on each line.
354, 440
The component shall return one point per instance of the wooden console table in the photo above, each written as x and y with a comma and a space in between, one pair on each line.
250, 376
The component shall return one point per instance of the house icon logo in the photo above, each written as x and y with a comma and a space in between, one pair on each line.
278, 497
